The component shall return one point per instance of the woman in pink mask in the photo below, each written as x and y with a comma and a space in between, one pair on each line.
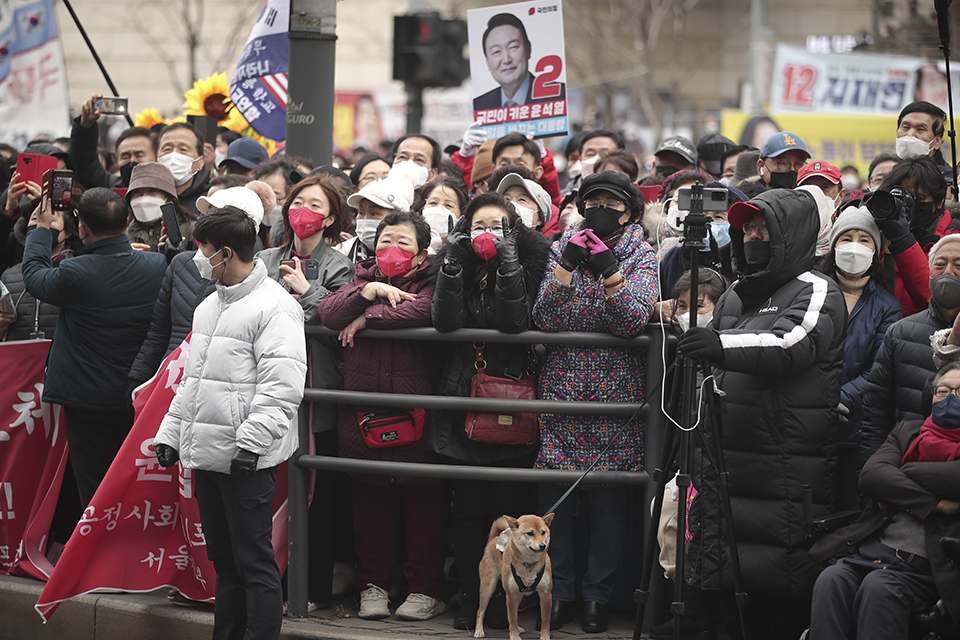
391, 291
311, 270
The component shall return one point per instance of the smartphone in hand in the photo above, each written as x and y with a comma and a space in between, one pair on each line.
32, 166
112, 106
174, 234
58, 187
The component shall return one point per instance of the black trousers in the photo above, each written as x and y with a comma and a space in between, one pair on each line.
237, 518
94, 438
871, 594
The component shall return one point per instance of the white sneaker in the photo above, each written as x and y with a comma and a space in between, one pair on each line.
373, 603
420, 607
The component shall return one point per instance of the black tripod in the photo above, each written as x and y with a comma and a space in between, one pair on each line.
677, 453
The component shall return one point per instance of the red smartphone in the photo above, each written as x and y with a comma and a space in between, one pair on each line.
32, 166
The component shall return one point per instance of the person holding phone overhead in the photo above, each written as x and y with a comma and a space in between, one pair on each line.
311, 270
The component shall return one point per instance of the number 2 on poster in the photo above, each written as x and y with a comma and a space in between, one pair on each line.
541, 86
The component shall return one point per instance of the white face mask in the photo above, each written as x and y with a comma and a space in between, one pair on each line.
726, 181
912, 147
417, 173
367, 232
702, 319
146, 209
204, 266
525, 214
853, 258
675, 216
438, 218
274, 217
574, 170
218, 157
850, 183
180, 166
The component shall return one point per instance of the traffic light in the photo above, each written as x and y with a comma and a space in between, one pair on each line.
428, 50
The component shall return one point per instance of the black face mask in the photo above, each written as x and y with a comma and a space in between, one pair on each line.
757, 252
666, 170
924, 216
785, 180
945, 291
125, 172
603, 221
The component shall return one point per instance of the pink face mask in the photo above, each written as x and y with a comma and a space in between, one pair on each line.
394, 261
483, 245
305, 222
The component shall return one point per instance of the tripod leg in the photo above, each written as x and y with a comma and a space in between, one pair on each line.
662, 475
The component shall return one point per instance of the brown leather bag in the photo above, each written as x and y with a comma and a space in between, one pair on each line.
501, 428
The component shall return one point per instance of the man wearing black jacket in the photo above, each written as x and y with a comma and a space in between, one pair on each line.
106, 297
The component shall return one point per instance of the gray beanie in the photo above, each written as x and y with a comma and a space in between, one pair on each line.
855, 218
746, 166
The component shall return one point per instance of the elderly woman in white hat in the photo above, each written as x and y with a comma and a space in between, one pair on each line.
375, 201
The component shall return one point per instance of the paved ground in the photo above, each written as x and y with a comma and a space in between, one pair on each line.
151, 616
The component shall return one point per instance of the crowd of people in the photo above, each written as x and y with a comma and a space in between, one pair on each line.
827, 310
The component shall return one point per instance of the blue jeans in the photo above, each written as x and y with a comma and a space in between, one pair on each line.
606, 507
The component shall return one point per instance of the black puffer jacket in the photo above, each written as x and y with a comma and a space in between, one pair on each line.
478, 295
903, 364
182, 290
782, 331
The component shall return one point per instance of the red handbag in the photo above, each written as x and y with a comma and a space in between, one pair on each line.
502, 428
386, 428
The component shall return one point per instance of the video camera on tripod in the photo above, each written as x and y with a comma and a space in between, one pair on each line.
695, 200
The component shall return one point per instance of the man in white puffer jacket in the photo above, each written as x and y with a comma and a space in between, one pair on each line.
232, 419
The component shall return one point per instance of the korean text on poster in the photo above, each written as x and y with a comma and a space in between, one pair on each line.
517, 68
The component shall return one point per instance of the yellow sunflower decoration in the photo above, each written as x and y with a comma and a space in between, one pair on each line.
211, 97
149, 118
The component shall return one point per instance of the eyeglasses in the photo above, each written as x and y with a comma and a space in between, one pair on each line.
751, 227
942, 391
495, 229
612, 203
782, 166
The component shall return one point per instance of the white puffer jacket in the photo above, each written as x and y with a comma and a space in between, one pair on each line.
243, 380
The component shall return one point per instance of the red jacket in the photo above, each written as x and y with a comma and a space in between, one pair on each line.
383, 365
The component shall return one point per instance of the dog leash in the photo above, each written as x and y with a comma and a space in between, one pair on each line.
615, 437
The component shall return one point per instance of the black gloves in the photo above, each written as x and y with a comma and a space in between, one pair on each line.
897, 231
507, 248
574, 253
244, 463
603, 261
455, 242
167, 456
701, 343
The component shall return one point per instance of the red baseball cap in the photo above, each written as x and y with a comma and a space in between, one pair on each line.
818, 168
740, 212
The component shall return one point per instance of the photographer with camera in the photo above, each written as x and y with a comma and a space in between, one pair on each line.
907, 208
776, 343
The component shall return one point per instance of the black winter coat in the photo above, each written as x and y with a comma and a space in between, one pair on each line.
106, 297
782, 332
182, 290
478, 295
903, 364
915, 487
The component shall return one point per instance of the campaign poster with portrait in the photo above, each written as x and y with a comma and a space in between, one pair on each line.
517, 68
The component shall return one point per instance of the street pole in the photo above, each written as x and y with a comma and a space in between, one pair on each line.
759, 53
313, 48
414, 108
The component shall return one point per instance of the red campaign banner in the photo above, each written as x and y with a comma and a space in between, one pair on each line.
33, 455
142, 529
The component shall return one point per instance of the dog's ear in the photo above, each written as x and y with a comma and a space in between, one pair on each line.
512, 522
547, 519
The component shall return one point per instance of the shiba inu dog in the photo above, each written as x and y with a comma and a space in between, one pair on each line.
516, 555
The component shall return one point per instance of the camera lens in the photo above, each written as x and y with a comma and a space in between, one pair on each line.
881, 204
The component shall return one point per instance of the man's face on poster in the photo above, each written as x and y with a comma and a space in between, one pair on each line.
506, 55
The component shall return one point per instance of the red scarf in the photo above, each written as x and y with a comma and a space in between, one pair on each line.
934, 444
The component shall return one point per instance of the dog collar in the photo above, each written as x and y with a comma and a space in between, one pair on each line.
524, 588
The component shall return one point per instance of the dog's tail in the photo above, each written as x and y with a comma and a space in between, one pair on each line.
499, 526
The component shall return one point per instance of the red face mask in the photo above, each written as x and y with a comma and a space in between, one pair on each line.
305, 222
483, 245
394, 261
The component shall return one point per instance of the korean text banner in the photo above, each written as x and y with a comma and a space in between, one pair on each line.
517, 68
142, 531
259, 85
33, 455
33, 84
855, 83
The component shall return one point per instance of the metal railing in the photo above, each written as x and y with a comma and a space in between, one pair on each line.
302, 462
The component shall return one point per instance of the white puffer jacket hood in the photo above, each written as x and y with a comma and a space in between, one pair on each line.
243, 380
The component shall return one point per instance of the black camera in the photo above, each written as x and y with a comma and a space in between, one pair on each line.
888, 205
